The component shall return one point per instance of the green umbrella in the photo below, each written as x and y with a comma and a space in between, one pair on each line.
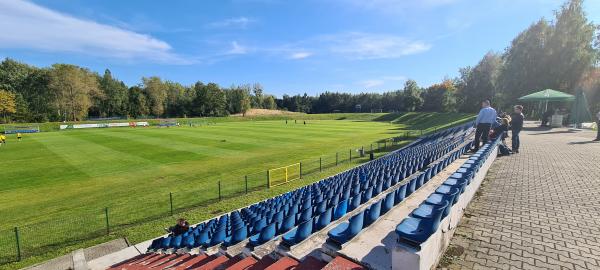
579, 111
548, 95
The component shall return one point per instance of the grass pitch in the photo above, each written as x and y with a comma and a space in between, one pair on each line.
58, 184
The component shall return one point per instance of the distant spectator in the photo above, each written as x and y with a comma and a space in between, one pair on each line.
483, 123
181, 227
516, 126
19, 136
546, 118
501, 129
597, 126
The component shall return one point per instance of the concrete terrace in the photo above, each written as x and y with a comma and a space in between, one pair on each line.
539, 209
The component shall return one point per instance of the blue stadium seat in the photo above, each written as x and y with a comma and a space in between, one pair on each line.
449, 191
347, 230
372, 214
323, 220
340, 210
266, 234
388, 203
299, 233
400, 194
287, 224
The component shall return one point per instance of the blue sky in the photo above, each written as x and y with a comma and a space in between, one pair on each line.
287, 46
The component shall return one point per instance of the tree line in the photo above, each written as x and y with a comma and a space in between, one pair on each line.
560, 54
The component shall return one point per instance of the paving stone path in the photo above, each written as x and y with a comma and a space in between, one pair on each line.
539, 209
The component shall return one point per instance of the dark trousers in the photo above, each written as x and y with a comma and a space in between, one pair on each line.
481, 134
598, 129
516, 141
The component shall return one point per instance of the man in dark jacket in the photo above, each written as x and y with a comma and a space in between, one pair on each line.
516, 126
181, 227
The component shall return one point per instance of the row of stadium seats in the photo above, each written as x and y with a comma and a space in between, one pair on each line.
297, 214
426, 219
347, 230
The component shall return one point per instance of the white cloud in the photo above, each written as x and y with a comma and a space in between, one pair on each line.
237, 49
26, 25
395, 6
358, 45
300, 55
239, 22
368, 84
377, 82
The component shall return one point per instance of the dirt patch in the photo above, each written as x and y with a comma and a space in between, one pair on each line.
257, 112
451, 254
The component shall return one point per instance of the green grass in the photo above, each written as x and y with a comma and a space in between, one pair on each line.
55, 186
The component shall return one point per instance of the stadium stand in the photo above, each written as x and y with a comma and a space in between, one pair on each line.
319, 220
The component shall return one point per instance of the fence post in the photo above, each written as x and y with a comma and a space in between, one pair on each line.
350, 155
371, 148
300, 170
18, 244
171, 202
320, 164
268, 180
246, 180
336, 158
107, 223
219, 190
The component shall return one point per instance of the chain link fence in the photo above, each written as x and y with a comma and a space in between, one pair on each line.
32, 239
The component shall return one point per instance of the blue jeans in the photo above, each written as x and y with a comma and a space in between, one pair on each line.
516, 141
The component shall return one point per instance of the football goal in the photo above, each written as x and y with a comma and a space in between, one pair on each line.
282, 175
10, 129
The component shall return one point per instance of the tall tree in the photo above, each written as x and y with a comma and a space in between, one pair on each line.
178, 99
269, 103
478, 83
440, 97
156, 93
7, 104
115, 96
138, 104
412, 96
210, 100
524, 61
257, 101
74, 87
569, 50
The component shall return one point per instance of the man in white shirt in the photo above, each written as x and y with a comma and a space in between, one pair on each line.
486, 117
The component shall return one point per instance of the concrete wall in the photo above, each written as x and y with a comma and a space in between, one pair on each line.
432, 250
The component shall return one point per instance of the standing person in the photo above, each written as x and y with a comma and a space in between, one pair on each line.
2, 139
18, 136
516, 126
485, 119
597, 126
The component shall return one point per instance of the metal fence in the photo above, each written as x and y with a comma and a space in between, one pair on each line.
33, 239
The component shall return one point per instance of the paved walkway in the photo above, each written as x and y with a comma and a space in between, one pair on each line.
539, 209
